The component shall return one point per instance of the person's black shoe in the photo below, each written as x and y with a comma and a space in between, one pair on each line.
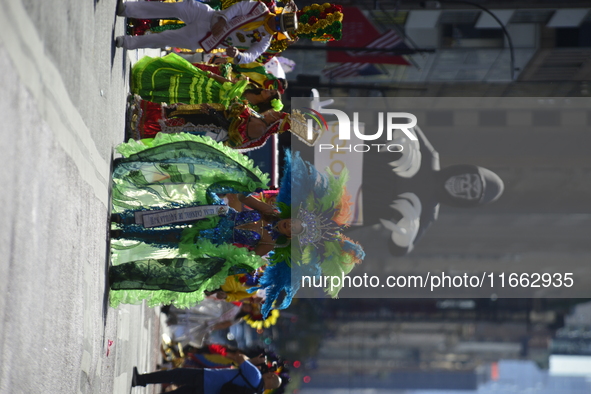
115, 233
136, 379
117, 161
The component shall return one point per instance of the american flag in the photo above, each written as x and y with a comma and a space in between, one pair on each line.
348, 70
388, 40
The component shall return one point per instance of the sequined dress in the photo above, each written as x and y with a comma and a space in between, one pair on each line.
176, 171
232, 227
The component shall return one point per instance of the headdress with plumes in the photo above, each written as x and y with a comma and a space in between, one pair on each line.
269, 196
322, 204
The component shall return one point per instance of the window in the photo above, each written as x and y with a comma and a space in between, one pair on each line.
464, 35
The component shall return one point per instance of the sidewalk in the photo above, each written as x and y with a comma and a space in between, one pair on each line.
139, 328
137, 344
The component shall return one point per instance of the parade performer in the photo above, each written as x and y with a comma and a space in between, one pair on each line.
157, 191
309, 243
211, 381
249, 25
215, 356
194, 325
321, 204
237, 126
172, 79
317, 22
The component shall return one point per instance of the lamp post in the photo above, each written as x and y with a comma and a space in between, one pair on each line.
437, 4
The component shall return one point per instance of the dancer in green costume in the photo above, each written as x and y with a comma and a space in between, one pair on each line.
176, 174
172, 79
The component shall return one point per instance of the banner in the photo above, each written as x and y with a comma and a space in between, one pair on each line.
179, 215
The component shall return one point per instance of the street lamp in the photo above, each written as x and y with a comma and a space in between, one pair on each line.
437, 4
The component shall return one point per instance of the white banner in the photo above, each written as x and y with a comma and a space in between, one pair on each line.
166, 217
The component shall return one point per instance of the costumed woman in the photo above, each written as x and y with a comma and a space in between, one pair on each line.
149, 178
257, 230
321, 205
237, 126
172, 79
158, 193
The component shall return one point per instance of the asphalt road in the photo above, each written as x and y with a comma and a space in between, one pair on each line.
64, 88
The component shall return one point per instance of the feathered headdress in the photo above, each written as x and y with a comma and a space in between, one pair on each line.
321, 204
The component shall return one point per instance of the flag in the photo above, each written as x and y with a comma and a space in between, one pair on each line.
348, 70
388, 40
359, 32
353, 69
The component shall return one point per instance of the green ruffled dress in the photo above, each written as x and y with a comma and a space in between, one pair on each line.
172, 79
175, 171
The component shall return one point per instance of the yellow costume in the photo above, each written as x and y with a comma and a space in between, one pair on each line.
235, 290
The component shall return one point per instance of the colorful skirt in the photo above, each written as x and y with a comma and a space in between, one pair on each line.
172, 79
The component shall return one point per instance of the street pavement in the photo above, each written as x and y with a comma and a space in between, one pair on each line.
64, 89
